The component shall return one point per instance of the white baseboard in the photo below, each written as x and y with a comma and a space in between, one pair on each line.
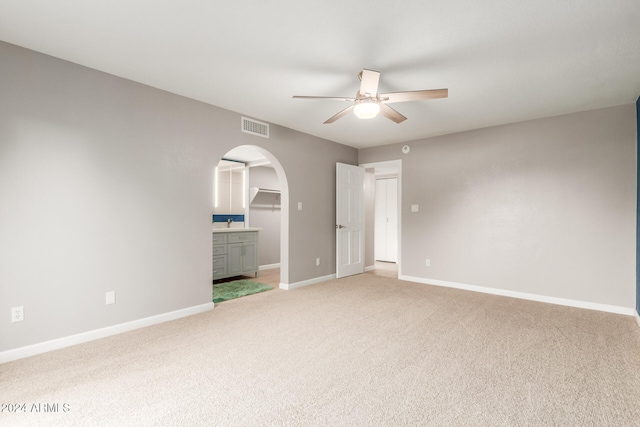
637, 316
370, 268
269, 266
523, 295
32, 350
313, 281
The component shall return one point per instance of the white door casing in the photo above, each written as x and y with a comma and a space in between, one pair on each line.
349, 220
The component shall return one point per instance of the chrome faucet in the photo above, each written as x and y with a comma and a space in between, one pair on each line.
229, 221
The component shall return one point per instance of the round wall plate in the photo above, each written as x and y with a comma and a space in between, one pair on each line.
406, 149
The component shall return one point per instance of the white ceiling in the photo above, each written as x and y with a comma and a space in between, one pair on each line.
502, 60
248, 155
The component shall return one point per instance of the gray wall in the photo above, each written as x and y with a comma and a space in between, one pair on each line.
545, 207
267, 218
106, 184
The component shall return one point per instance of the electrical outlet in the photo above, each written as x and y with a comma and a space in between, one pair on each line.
317, 261
427, 262
110, 297
17, 314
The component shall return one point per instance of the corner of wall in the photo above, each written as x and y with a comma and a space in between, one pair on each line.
638, 208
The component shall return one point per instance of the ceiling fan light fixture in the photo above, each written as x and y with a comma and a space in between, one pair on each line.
366, 108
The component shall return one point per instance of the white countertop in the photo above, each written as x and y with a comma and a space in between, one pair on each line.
234, 230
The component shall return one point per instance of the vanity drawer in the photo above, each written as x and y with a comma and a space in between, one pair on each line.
247, 236
219, 267
219, 238
219, 249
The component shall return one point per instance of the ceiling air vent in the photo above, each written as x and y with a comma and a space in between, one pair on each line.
255, 127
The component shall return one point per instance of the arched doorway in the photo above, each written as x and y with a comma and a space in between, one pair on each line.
247, 157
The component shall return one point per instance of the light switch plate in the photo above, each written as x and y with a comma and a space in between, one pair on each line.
414, 208
299, 206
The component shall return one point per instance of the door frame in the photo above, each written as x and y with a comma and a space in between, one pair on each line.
385, 168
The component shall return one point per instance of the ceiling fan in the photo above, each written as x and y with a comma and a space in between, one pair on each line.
368, 102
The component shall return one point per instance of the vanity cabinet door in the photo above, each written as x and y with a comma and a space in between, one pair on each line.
243, 258
236, 259
250, 258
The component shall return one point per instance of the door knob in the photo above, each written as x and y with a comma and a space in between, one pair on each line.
340, 226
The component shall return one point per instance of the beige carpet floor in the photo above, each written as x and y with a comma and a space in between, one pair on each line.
362, 351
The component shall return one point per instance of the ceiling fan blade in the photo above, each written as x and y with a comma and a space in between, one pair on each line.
414, 95
392, 114
333, 98
369, 83
339, 115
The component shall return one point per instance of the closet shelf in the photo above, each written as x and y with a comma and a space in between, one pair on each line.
264, 197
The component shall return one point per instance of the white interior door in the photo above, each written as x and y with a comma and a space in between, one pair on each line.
349, 220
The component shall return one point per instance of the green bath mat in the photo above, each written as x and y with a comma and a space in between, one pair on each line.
237, 289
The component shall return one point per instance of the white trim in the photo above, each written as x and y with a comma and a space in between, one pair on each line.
269, 266
43, 347
523, 295
313, 281
370, 268
637, 316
